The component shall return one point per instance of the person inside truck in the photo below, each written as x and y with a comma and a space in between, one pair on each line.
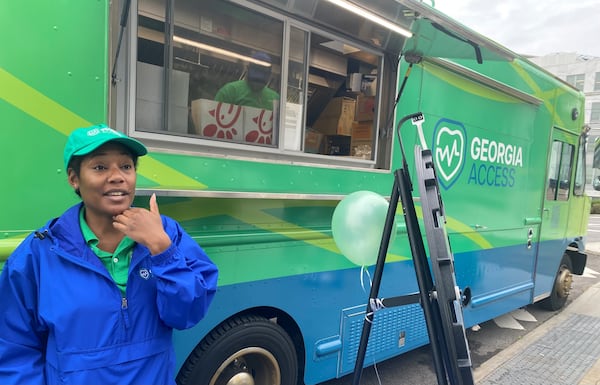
93, 296
252, 91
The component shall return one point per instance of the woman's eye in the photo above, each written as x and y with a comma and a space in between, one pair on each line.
99, 167
127, 167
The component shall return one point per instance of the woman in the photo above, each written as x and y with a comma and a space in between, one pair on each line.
93, 296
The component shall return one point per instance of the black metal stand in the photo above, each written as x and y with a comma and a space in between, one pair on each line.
440, 301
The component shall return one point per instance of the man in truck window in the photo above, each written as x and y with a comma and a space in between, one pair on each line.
252, 91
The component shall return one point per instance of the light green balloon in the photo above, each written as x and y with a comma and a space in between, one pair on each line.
357, 226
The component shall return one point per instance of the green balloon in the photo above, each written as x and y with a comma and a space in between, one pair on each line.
357, 226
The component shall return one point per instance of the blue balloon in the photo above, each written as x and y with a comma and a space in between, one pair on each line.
357, 225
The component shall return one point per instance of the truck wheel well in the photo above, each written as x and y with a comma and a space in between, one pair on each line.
288, 324
577, 257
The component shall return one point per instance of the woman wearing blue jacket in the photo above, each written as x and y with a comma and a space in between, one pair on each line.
93, 296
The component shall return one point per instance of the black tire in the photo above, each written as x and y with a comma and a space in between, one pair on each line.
562, 286
242, 350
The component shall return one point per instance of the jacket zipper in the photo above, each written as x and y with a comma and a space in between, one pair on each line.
125, 312
124, 305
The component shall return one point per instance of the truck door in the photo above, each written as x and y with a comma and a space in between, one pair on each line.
555, 210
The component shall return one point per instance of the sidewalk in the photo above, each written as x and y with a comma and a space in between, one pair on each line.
592, 247
565, 350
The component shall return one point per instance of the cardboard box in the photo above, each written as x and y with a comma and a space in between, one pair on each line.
334, 126
313, 141
362, 130
337, 117
338, 145
150, 100
338, 106
148, 115
365, 108
362, 140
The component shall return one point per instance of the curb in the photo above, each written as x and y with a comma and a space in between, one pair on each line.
580, 305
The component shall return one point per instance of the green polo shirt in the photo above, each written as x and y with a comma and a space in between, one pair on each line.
116, 263
239, 93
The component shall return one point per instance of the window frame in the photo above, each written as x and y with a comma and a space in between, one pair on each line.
595, 112
562, 167
580, 168
577, 80
165, 141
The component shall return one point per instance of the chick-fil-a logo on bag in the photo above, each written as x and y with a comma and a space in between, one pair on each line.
226, 116
261, 126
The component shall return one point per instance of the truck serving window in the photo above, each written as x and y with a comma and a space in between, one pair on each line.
253, 83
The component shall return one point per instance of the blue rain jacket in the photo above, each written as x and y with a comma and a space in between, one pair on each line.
64, 320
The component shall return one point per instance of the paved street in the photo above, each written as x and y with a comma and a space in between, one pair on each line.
490, 339
593, 236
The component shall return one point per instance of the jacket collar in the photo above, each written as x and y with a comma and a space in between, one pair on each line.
67, 233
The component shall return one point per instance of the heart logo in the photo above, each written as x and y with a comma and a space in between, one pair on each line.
449, 151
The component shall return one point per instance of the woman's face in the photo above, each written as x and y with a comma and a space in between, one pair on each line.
106, 180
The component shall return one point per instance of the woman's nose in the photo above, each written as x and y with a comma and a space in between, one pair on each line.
115, 174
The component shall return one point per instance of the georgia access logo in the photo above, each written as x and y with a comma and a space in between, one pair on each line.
449, 149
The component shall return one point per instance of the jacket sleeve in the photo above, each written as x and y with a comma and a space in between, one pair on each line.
22, 336
187, 279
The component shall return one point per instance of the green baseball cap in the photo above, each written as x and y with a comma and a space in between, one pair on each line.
84, 140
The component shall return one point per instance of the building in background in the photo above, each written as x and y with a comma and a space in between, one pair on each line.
582, 72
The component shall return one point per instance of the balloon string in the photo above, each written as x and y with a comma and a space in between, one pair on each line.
375, 304
376, 371
365, 271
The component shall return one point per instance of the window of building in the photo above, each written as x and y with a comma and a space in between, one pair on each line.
597, 82
595, 112
243, 78
576, 81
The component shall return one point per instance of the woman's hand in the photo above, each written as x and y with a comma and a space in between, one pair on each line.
144, 227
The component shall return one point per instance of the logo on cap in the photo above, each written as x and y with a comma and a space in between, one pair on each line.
103, 130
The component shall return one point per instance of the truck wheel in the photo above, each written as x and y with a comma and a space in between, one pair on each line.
561, 287
246, 350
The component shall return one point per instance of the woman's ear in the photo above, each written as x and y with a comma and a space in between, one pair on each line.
73, 178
